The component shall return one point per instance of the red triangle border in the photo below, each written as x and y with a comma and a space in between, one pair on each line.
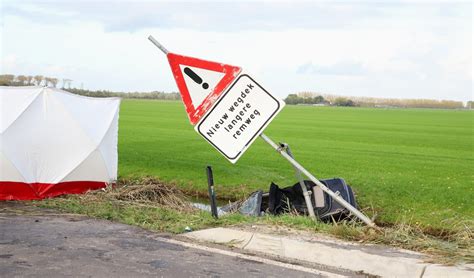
195, 113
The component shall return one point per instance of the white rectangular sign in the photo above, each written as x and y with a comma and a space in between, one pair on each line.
239, 117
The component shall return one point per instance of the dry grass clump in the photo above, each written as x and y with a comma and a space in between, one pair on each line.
148, 192
151, 190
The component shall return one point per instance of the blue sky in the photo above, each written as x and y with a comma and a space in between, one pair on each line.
383, 49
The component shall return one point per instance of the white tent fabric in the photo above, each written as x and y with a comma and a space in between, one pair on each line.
50, 137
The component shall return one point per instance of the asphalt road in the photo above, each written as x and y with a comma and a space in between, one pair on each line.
42, 243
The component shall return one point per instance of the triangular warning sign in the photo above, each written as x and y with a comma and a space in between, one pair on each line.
200, 82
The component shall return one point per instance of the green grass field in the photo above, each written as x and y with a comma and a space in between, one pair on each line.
413, 165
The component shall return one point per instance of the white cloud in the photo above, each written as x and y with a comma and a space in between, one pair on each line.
396, 50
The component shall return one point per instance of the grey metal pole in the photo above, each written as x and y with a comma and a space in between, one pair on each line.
307, 199
159, 45
338, 198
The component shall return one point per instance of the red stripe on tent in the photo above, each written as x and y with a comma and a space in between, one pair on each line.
10, 190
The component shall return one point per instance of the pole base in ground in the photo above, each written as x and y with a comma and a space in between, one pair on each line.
212, 193
306, 196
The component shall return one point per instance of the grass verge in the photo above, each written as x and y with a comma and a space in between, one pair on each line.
153, 205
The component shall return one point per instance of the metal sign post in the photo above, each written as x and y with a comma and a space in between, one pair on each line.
159, 45
298, 166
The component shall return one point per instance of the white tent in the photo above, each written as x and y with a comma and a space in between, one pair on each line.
53, 142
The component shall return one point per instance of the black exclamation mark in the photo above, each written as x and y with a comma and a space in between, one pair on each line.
189, 72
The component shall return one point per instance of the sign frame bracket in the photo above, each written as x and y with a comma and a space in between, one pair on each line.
285, 147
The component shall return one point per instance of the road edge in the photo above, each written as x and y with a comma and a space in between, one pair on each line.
357, 258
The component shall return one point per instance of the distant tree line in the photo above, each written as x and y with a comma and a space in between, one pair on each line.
470, 104
39, 80
310, 98
305, 98
343, 101
400, 103
28, 80
141, 95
